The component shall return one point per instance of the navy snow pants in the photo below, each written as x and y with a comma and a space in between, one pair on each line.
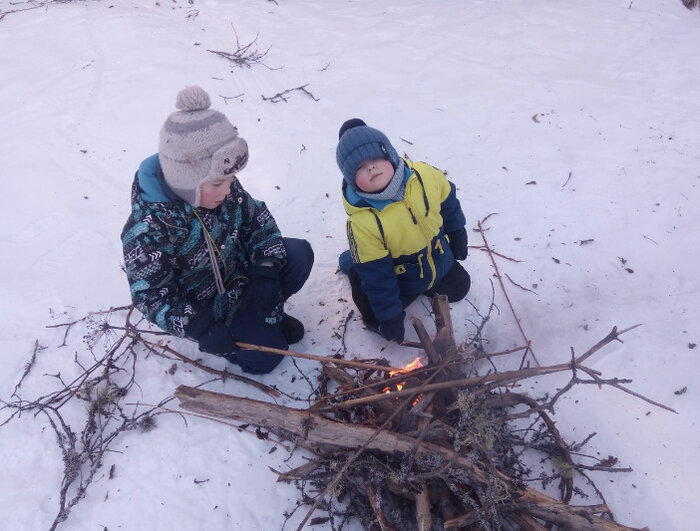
247, 327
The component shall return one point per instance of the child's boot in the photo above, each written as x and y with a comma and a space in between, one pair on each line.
455, 284
292, 329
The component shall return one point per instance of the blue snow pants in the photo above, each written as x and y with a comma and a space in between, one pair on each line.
247, 327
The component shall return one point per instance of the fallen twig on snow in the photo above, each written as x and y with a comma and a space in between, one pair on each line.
481, 230
245, 55
282, 96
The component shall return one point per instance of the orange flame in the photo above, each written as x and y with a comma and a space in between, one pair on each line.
415, 364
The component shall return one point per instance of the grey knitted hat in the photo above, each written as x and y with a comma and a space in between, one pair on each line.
198, 144
358, 143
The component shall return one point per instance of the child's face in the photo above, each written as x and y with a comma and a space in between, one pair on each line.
374, 175
213, 193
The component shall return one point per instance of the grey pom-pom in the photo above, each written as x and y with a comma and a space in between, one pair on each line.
193, 99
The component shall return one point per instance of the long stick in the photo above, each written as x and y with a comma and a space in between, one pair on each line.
224, 374
612, 336
404, 375
502, 378
489, 251
322, 359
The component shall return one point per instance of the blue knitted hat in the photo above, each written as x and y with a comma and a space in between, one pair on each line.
358, 143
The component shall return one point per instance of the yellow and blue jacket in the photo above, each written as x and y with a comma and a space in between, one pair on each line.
402, 248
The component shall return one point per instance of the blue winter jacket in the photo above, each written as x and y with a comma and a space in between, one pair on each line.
402, 248
168, 262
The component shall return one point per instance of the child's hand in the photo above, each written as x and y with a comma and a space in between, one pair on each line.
393, 329
213, 336
266, 289
217, 339
458, 243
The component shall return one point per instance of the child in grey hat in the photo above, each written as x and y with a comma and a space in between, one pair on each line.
406, 229
203, 258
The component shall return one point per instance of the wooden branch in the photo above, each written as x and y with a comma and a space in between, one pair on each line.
503, 378
462, 520
526, 522
322, 359
616, 384
372, 385
497, 274
500, 379
414, 372
441, 307
224, 374
313, 430
347, 383
614, 335
572, 517
382, 520
445, 336
374, 434
300, 472
428, 346
281, 96
424, 518
567, 476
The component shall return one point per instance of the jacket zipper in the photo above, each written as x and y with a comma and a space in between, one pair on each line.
428, 248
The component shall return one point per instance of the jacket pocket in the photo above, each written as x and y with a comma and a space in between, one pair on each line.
413, 277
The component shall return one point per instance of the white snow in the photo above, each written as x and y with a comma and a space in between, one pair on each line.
571, 121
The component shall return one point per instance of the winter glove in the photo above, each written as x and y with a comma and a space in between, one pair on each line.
393, 328
458, 243
266, 292
213, 336
217, 339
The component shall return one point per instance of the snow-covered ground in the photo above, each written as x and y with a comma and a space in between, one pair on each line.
575, 123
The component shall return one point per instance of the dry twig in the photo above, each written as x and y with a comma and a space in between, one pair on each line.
283, 96
245, 55
491, 254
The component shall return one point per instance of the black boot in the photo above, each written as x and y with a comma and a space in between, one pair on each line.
455, 284
292, 329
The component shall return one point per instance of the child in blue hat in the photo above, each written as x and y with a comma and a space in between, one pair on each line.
405, 227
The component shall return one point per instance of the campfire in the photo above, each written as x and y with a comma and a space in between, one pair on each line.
415, 364
431, 445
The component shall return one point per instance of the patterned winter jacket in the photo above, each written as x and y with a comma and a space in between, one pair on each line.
403, 248
168, 262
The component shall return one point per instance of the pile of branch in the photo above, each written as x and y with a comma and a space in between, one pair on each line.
438, 447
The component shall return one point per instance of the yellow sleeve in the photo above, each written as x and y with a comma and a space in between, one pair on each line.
366, 242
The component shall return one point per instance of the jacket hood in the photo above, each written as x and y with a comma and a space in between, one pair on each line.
152, 183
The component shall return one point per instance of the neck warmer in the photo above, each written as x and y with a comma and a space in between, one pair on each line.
351, 193
393, 191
